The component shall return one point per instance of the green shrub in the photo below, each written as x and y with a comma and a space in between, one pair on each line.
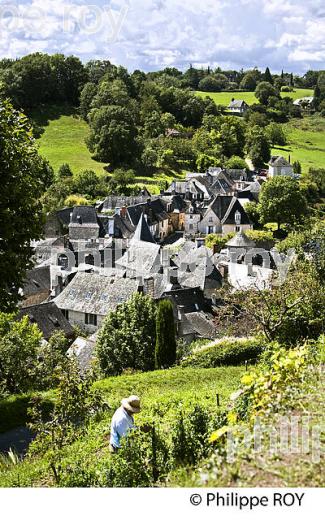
127, 338
225, 353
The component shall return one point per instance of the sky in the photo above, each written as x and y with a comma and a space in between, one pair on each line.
153, 34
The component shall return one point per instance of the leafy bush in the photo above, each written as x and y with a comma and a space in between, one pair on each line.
127, 338
19, 344
225, 353
218, 241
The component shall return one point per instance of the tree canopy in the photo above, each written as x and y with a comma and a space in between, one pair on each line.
24, 178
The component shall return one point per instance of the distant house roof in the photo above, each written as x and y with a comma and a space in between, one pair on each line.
141, 259
82, 349
305, 100
84, 215
143, 232
122, 227
37, 280
64, 216
48, 318
240, 240
120, 201
225, 208
189, 299
237, 103
95, 294
154, 209
279, 161
201, 325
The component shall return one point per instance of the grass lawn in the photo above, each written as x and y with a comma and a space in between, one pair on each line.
63, 140
224, 98
306, 142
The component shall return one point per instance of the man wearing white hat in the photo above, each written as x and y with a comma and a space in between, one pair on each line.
123, 420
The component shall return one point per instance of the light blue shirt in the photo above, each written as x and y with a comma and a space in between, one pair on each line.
122, 422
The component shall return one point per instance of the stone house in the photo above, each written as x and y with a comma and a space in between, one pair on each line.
89, 297
48, 318
278, 165
83, 224
238, 106
224, 215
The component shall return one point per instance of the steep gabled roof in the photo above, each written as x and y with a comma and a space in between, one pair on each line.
237, 103
225, 207
142, 232
37, 280
48, 318
279, 160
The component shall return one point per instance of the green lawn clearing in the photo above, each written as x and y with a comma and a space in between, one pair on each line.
224, 98
306, 142
63, 139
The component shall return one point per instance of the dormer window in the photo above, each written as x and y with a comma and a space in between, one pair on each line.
238, 218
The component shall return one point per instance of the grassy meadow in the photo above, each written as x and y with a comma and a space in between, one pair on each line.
63, 139
306, 142
224, 98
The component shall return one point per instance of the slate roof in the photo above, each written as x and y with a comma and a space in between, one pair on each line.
154, 209
143, 232
95, 294
64, 216
225, 207
37, 280
189, 299
83, 350
48, 318
84, 215
122, 227
240, 240
141, 259
176, 202
237, 103
198, 270
201, 325
279, 160
120, 201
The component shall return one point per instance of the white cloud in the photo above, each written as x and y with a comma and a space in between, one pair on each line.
150, 34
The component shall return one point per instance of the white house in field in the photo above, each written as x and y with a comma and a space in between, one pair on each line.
278, 165
238, 106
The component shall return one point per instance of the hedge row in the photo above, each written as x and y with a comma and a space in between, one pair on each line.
226, 353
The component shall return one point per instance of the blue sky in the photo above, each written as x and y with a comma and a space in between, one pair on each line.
153, 34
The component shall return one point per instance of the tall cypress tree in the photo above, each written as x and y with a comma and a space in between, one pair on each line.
268, 76
165, 352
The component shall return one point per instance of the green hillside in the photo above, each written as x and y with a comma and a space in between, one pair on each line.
306, 142
63, 139
164, 395
224, 98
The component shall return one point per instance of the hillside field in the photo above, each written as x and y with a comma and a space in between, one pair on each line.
163, 395
63, 140
224, 98
306, 142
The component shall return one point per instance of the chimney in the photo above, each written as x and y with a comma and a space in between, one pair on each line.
149, 286
123, 212
71, 216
